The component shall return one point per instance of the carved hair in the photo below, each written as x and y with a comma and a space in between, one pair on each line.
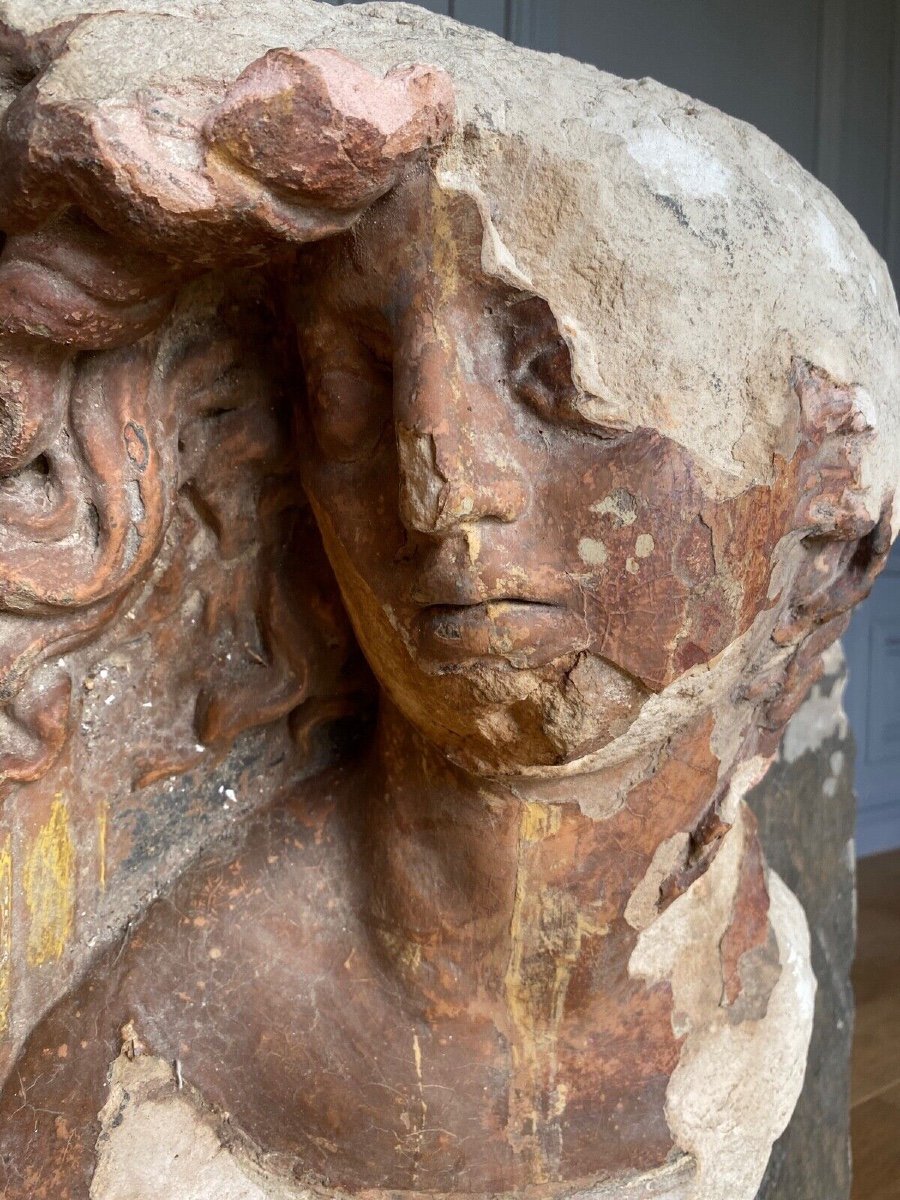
179, 443
116, 420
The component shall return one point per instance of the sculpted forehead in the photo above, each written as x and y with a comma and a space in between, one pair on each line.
418, 239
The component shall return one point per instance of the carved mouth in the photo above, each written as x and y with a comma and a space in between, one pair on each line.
524, 632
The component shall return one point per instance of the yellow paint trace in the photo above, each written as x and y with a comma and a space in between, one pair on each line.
5, 934
50, 888
102, 826
534, 1001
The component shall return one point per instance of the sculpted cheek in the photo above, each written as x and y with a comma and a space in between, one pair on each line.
669, 576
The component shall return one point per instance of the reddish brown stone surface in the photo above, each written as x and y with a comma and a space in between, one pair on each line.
367, 688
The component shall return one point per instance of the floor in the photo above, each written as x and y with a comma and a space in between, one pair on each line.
875, 1115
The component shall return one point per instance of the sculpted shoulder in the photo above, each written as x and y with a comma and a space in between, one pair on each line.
200, 986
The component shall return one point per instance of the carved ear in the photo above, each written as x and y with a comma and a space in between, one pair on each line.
843, 547
836, 421
835, 576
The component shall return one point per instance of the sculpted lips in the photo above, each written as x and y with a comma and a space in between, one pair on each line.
526, 632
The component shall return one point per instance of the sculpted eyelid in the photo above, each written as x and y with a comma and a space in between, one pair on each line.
337, 373
523, 354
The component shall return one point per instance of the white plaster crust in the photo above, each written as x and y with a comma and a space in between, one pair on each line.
736, 1085
158, 1143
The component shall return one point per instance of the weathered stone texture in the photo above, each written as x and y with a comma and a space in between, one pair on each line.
431, 475
806, 809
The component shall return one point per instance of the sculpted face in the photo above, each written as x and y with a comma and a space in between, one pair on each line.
521, 574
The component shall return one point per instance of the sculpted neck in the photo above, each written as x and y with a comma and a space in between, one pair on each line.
476, 884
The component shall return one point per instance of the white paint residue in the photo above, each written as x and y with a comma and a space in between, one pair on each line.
592, 551
830, 241
620, 505
672, 162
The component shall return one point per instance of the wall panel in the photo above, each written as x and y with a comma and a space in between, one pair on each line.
489, 14
862, 128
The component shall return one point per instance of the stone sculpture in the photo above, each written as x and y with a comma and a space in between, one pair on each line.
568, 401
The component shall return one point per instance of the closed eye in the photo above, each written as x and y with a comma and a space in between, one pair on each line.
350, 386
544, 374
541, 372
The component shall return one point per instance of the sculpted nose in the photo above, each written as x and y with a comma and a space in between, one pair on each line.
456, 450
442, 488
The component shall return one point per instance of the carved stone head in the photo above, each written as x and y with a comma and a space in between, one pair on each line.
568, 401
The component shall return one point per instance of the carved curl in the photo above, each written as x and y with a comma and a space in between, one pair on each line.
102, 441
169, 489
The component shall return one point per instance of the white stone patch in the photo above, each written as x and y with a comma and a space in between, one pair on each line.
497, 259
157, 1141
675, 164
745, 776
592, 552
850, 854
735, 1086
641, 909
865, 406
830, 241
833, 658
836, 762
644, 545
